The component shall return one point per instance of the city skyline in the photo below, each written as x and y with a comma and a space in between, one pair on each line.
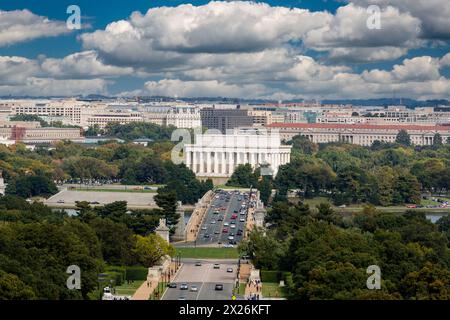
278, 50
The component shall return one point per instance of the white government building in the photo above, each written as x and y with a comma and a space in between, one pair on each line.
215, 155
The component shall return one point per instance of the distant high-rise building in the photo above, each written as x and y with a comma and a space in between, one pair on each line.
225, 119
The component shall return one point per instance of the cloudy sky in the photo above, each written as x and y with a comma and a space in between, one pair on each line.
317, 49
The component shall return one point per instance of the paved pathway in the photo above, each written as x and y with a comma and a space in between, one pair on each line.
146, 289
253, 289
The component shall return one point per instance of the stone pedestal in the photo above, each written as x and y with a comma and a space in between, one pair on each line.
162, 230
180, 233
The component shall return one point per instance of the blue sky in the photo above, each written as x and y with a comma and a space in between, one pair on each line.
324, 51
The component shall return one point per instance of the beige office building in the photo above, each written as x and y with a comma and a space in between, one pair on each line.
361, 134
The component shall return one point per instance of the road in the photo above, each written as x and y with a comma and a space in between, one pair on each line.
217, 225
204, 277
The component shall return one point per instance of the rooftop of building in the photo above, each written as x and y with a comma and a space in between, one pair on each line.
358, 126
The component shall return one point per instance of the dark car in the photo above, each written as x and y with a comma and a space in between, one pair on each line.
172, 285
218, 287
206, 236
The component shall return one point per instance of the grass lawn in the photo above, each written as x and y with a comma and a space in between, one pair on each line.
242, 288
208, 253
273, 290
316, 201
113, 190
355, 208
128, 289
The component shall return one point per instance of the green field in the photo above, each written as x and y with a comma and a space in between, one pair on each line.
112, 190
273, 290
358, 208
208, 253
128, 289
242, 289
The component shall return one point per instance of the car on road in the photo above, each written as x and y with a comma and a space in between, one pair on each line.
216, 266
184, 286
217, 232
229, 270
239, 233
213, 221
225, 230
228, 245
234, 216
172, 285
232, 243
204, 228
181, 298
226, 224
194, 288
220, 219
95, 202
60, 201
216, 212
198, 264
233, 226
218, 287
206, 236
235, 211
231, 238
242, 220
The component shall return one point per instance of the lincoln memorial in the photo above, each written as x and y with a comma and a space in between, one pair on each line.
217, 155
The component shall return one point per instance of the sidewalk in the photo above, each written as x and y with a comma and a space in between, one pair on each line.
254, 289
146, 289
194, 223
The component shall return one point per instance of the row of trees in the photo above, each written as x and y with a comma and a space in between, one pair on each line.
325, 256
383, 174
33, 173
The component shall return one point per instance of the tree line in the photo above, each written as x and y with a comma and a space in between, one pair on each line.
38, 244
324, 255
383, 174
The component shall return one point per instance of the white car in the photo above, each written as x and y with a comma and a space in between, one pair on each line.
233, 226
242, 220
204, 228
213, 221
226, 224
194, 288
230, 238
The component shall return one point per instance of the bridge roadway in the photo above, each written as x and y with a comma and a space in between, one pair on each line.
205, 278
217, 224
